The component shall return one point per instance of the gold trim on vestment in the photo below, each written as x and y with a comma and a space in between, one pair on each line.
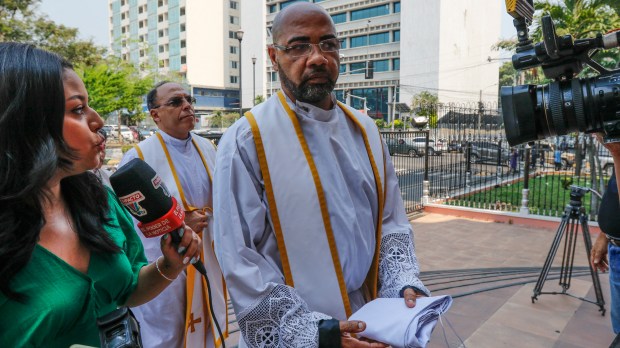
271, 199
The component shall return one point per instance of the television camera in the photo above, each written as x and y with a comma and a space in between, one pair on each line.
568, 104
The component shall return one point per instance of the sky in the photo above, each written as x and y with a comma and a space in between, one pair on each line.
91, 18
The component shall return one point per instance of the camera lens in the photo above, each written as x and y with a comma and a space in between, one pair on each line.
587, 105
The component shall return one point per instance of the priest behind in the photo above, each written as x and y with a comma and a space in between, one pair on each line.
179, 317
309, 221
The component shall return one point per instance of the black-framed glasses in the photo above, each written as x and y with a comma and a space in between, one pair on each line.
304, 49
175, 102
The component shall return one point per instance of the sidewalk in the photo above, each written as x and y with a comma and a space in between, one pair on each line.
506, 317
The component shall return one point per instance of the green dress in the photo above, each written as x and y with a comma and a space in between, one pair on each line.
64, 303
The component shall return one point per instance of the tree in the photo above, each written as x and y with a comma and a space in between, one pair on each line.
20, 22
425, 104
116, 86
259, 99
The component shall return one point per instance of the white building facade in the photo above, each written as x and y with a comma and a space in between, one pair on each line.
196, 38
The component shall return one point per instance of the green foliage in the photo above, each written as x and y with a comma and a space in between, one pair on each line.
425, 104
507, 74
20, 22
380, 123
398, 124
114, 85
259, 99
126, 148
219, 120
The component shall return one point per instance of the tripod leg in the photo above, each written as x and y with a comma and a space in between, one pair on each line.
568, 259
550, 256
600, 301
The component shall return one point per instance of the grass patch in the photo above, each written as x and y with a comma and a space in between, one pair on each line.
547, 195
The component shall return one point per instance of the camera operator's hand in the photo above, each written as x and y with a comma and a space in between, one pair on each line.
614, 148
598, 254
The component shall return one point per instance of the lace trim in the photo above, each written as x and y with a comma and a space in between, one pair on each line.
398, 265
280, 319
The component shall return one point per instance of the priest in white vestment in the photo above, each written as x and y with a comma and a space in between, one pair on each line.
179, 316
309, 220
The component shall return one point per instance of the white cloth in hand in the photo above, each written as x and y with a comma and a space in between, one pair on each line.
390, 321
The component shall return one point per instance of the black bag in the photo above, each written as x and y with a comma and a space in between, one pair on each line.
119, 329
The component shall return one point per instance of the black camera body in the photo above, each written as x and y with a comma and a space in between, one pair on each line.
569, 104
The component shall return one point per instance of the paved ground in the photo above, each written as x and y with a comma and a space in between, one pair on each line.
464, 257
507, 317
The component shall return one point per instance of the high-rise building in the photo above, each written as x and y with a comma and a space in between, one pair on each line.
440, 46
196, 38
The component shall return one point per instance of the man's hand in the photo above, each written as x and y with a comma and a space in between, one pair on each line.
196, 220
411, 296
598, 254
351, 327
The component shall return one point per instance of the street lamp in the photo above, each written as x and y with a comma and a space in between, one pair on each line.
240, 37
254, 79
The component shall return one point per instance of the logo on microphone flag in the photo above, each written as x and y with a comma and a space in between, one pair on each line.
132, 202
157, 183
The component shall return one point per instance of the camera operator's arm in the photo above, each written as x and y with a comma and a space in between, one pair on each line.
614, 150
598, 254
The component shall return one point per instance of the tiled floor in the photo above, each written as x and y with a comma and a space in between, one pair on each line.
507, 317
504, 317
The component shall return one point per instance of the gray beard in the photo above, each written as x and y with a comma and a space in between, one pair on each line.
307, 93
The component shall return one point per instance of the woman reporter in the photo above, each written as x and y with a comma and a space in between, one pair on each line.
68, 250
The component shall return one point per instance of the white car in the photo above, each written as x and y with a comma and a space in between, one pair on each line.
126, 133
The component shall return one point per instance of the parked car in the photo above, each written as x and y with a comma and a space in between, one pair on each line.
126, 133
414, 147
456, 146
487, 152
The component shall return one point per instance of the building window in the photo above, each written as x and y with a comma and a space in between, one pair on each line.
234, 79
358, 41
380, 10
343, 68
397, 7
231, 34
161, 48
141, 24
283, 5
273, 8
274, 76
233, 5
358, 68
182, 11
233, 64
381, 65
183, 27
396, 36
233, 49
160, 18
141, 53
123, 30
183, 43
396, 64
123, 2
183, 60
161, 32
140, 9
233, 20
339, 18
343, 43
123, 16
379, 38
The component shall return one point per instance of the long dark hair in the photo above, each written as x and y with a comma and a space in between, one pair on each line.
32, 150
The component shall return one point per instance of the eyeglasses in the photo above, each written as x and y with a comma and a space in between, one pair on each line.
177, 101
304, 49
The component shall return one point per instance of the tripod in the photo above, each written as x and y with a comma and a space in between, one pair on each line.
574, 212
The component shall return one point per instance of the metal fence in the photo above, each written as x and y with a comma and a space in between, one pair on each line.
466, 161
469, 163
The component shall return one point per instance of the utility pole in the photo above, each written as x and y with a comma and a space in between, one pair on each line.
394, 106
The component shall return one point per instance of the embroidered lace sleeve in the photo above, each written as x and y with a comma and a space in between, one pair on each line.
280, 319
398, 266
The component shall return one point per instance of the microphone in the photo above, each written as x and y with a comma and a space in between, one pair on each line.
141, 190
